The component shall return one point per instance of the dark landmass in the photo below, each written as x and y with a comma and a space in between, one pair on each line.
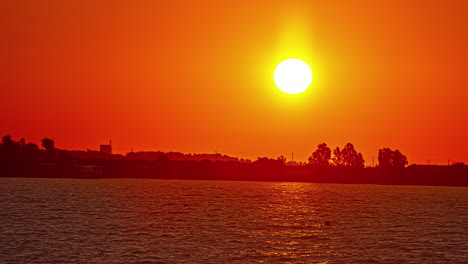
21, 159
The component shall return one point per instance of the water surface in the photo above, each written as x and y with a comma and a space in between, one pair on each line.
171, 221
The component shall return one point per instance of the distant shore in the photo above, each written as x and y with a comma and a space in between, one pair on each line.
22, 159
428, 175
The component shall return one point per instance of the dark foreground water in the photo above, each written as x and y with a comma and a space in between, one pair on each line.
169, 221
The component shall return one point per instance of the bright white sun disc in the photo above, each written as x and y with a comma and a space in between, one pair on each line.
293, 76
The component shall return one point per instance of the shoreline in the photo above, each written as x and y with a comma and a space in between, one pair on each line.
234, 180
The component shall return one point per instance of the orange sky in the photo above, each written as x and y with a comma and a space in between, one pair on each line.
197, 76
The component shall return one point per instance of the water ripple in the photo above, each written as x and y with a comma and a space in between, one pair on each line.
167, 221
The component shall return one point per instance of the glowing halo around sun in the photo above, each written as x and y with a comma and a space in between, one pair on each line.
293, 76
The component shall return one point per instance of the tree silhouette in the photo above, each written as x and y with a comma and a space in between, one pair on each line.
8, 143
282, 159
321, 157
9, 146
22, 142
337, 160
48, 145
9, 151
15, 155
348, 157
30, 153
391, 159
385, 158
399, 160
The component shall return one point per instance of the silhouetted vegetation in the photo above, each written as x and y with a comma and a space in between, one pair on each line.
158, 155
49, 146
321, 157
348, 157
22, 159
391, 159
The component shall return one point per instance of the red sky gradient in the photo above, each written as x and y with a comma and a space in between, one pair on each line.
197, 76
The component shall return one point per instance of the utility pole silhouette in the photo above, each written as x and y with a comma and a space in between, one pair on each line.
373, 161
292, 157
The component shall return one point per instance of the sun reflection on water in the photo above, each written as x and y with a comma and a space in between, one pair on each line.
288, 228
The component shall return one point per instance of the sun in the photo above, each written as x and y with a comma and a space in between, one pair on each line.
293, 76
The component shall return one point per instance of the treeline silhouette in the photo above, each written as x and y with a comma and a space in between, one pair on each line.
345, 165
158, 155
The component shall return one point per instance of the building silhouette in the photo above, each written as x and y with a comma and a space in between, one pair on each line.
106, 148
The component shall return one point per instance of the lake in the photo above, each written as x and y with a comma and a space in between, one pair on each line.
174, 221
